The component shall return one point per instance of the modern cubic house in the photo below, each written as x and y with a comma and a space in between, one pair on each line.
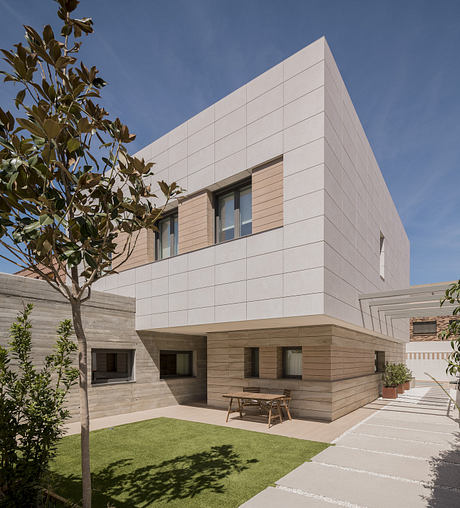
255, 275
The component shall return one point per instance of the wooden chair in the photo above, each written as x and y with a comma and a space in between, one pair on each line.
286, 401
251, 402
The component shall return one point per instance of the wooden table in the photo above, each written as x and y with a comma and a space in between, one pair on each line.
270, 400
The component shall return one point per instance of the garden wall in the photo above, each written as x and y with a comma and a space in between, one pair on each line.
109, 323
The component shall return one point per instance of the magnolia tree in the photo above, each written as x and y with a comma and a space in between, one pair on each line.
452, 296
72, 199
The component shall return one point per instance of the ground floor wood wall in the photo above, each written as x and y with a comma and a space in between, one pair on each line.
338, 373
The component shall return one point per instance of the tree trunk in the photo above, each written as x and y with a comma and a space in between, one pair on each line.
84, 407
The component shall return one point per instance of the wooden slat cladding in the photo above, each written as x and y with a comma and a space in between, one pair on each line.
337, 367
196, 222
144, 251
267, 196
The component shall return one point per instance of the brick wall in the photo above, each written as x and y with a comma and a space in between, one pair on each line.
442, 322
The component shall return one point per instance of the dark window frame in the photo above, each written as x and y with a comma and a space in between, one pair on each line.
255, 362
175, 352
171, 217
379, 362
285, 349
414, 332
96, 381
236, 190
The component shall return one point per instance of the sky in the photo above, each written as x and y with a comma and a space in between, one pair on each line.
166, 60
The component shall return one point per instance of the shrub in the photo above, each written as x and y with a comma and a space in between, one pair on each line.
32, 410
391, 375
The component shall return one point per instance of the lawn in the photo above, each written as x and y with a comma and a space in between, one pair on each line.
168, 462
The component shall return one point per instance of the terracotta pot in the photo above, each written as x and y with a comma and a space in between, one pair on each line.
406, 385
400, 388
389, 392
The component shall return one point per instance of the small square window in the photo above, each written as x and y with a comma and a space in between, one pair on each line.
292, 362
111, 365
176, 364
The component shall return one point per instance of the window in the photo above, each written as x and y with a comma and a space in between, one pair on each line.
382, 256
167, 237
292, 362
423, 327
111, 365
176, 364
254, 362
234, 213
379, 361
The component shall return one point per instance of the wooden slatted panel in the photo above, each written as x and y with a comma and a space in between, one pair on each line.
144, 251
267, 196
196, 222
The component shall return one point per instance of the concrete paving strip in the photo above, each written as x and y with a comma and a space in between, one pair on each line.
405, 434
400, 467
411, 448
404, 455
364, 489
292, 498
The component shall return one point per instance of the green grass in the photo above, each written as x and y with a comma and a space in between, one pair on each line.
168, 462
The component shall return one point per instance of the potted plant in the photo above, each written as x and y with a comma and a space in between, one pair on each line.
400, 369
407, 382
390, 382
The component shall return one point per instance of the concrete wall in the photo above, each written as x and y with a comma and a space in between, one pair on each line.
337, 371
109, 323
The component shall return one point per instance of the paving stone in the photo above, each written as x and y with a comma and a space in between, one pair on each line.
411, 435
384, 444
276, 498
365, 490
421, 470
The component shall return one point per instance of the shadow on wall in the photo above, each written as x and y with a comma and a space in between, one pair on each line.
178, 479
181, 389
445, 475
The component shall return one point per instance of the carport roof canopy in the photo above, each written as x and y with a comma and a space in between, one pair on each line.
413, 302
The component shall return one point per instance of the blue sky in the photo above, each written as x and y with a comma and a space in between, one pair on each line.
166, 60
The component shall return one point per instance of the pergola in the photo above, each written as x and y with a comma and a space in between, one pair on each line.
416, 301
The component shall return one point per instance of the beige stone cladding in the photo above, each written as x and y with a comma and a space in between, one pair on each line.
338, 368
143, 253
442, 323
196, 222
267, 196
109, 324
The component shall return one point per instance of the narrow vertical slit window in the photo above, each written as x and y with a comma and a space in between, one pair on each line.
382, 256
167, 237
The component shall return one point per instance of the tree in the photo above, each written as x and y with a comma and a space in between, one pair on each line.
452, 296
72, 199
32, 410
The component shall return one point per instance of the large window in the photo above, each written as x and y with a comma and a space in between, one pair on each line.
234, 213
111, 365
167, 237
424, 327
292, 362
176, 364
